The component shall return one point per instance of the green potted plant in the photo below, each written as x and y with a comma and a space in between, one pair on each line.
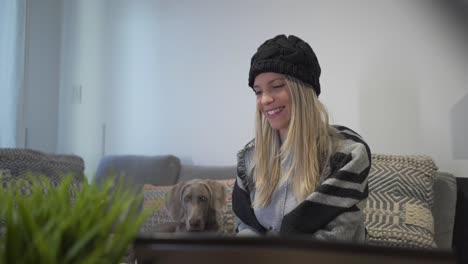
41, 223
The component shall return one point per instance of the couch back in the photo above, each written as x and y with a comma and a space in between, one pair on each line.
138, 170
189, 172
160, 170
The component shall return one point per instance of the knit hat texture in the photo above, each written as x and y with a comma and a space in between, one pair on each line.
286, 55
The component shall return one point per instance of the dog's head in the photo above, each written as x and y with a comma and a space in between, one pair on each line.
195, 204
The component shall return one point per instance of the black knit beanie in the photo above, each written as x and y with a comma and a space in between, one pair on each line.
287, 55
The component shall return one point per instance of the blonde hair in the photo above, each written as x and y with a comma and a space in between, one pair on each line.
307, 146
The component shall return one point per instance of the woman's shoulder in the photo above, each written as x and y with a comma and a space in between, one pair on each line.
245, 159
347, 140
350, 153
247, 150
347, 134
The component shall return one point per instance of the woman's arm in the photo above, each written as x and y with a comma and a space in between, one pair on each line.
245, 230
336, 198
247, 222
347, 226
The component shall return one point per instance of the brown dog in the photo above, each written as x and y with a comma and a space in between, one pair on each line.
195, 205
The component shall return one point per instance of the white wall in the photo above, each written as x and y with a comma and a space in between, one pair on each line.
170, 77
82, 65
40, 113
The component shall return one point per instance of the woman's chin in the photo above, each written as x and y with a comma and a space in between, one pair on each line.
277, 127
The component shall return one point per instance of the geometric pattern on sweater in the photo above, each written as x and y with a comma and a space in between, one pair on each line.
398, 209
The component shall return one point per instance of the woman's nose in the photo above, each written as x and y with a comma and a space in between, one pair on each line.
266, 99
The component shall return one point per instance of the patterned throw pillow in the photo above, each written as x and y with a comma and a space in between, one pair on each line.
18, 164
157, 196
229, 220
398, 209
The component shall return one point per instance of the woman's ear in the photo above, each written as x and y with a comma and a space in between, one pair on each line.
174, 203
218, 191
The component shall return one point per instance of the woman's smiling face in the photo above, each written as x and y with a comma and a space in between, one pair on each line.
274, 100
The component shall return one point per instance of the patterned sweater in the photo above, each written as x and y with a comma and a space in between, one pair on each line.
331, 212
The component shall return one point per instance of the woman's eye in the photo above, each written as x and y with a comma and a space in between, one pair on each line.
202, 198
278, 86
258, 92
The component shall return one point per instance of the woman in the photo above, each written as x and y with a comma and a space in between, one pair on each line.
299, 175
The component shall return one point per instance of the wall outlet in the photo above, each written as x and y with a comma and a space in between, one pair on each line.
76, 94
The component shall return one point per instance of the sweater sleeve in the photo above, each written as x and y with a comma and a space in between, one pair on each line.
247, 222
245, 230
348, 226
336, 198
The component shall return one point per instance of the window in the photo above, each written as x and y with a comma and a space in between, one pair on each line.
12, 46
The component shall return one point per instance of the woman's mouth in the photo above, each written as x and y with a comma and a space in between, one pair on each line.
275, 112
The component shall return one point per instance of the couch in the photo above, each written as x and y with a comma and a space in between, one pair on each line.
444, 212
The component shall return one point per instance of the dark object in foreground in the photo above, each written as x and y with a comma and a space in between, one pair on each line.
207, 249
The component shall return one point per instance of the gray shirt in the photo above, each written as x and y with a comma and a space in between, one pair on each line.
282, 202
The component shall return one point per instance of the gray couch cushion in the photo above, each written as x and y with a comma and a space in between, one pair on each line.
445, 196
189, 172
139, 169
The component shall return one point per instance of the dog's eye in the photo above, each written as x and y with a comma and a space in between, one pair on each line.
202, 198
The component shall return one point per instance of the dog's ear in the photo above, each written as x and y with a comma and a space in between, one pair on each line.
174, 203
218, 191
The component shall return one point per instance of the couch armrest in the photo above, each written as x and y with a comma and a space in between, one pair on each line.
445, 195
460, 232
